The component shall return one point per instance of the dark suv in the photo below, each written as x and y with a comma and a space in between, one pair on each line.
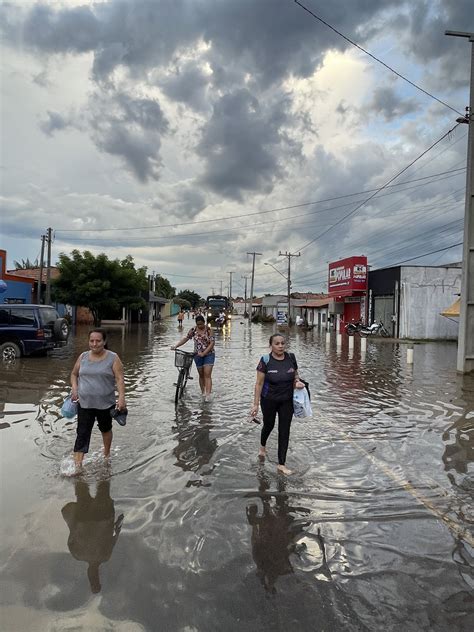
27, 329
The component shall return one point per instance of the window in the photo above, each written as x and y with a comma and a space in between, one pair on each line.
48, 315
22, 317
4, 316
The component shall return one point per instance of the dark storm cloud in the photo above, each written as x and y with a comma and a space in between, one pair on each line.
53, 123
131, 129
187, 84
386, 102
258, 44
184, 200
270, 39
427, 42
241, 144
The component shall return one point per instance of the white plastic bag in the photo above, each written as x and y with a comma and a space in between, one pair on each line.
301, 403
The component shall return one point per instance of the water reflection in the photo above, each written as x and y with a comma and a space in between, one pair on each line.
93, 530
372, 465
275, 532
195, 446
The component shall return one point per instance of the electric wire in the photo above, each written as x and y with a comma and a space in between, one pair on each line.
433, 252
432, 96
262, 212
240, 229
363, 203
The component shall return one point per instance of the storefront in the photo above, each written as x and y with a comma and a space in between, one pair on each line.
347, 285
14, 288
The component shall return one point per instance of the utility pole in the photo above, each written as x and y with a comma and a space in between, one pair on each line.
47, 298
245, 297
255, 254
230, 284
212, 291
289, 255
40, 280
221, 287
465, 360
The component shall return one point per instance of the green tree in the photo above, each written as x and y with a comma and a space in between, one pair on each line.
182, 302
26, 264
163, 287
190, 296
99, 283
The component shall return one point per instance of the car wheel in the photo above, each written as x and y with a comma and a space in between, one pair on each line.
61, 329
9, 351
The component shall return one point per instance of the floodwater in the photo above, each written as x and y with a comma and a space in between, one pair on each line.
187, 531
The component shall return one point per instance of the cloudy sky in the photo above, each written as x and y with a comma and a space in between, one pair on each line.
188, 133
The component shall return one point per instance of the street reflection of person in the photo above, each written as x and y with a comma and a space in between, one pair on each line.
195, 446
93, 530
95, 376
275, 533
276, 380
204, 350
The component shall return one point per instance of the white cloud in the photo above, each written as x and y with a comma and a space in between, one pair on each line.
121, 115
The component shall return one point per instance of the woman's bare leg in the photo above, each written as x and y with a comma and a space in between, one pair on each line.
202, 382
208, 378
107, 441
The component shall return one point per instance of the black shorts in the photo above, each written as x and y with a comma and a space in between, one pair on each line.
85, 422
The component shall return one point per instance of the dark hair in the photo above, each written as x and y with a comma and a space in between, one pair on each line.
200, 318
276, 336
102, 332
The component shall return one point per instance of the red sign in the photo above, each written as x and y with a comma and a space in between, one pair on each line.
347, 276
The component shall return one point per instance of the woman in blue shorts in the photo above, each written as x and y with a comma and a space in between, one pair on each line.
204, 350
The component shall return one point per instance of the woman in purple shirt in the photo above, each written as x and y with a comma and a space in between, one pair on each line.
277, 376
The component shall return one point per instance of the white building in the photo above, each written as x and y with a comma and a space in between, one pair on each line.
409, 300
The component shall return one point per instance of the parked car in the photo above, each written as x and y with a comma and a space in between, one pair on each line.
28, 329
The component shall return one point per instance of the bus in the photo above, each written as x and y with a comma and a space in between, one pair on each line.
215, 305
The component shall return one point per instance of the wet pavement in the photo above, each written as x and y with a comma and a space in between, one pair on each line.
187, 531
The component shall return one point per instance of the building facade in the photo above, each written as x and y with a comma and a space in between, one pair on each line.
409, 300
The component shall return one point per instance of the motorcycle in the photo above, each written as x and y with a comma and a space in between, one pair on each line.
354, 327
375, 329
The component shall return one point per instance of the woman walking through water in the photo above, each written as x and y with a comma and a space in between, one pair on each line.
277, 376
95, 376
204, 350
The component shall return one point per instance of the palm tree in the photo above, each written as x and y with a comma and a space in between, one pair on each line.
26, 264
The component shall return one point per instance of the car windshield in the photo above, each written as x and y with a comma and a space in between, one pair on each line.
217, 303
48, 315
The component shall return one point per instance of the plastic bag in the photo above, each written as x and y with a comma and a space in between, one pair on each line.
69, 408
301, 403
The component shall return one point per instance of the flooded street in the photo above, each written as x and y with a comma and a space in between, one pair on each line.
187, 531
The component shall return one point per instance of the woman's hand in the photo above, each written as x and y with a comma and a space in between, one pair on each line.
254, 410
121, 405
74, 395
173, 348
299, 384
201, 354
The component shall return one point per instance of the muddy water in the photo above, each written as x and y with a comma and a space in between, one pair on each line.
187, 531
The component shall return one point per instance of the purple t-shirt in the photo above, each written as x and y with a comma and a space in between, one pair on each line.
279, 377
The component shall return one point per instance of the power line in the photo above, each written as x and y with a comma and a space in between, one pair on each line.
436, 230
432, 96
240, 229
272, 210
359, 206
460, 243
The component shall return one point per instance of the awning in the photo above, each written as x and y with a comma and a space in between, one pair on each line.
453, 310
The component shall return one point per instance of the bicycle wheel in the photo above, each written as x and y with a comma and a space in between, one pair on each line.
184, 382
179, 386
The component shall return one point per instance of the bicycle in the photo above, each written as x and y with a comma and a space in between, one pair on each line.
183, 361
